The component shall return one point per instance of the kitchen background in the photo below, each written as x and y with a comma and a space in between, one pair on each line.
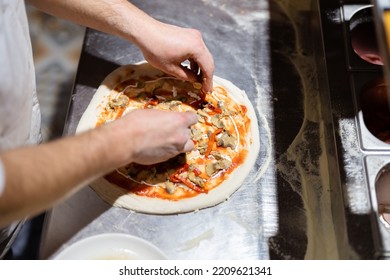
56, 47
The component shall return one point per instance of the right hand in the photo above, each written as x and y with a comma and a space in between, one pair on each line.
166, 46
149, 136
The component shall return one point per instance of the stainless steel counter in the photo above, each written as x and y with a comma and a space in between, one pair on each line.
291, 205
361, 155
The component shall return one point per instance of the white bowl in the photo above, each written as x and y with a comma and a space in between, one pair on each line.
111, 246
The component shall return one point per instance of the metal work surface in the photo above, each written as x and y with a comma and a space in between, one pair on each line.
361, 155
291, 204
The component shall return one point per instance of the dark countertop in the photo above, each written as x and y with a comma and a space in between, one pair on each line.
291, 205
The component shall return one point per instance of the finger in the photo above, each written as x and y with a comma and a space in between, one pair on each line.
194, 67
182, 72
206, 64
192, 118
189, 146
207, 84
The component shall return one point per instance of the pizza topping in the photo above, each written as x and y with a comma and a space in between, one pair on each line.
244, 109
151, 86
194, 95
175, 176
212, 141
221, 104
151, 102
192, 186
195, 179
132, 91
170, 187
146, 175
196, 134
212, 167
226, 140
202, 116
216, 136
202, 145
174, 104
219, 92
161, 98
193, 155
217, 121
121, 102
213, 109
182, 176
174, 92
197, 85
217, 155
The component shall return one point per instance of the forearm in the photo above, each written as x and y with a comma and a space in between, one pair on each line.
163, 45
39, 176
117, 17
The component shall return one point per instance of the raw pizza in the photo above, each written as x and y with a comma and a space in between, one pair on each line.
225, 137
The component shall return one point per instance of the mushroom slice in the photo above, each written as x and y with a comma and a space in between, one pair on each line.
221, 105
201, 146
195, 179
226, 139
224, 164
174, 104
170, 187
120, 101
217, 155
212, 167
202, 113
217, 121
196, 134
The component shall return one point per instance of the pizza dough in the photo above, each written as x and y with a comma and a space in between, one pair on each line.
121, 197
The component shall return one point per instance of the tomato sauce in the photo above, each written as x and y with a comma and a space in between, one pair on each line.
159, 94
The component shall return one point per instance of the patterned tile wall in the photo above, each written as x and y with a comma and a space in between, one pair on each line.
56, 47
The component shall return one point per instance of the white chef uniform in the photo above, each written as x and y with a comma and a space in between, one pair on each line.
19, 110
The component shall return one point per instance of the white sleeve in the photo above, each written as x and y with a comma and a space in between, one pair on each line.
2, 178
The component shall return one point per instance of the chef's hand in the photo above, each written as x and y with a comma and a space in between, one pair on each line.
150, 136
164, 46
167, 46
